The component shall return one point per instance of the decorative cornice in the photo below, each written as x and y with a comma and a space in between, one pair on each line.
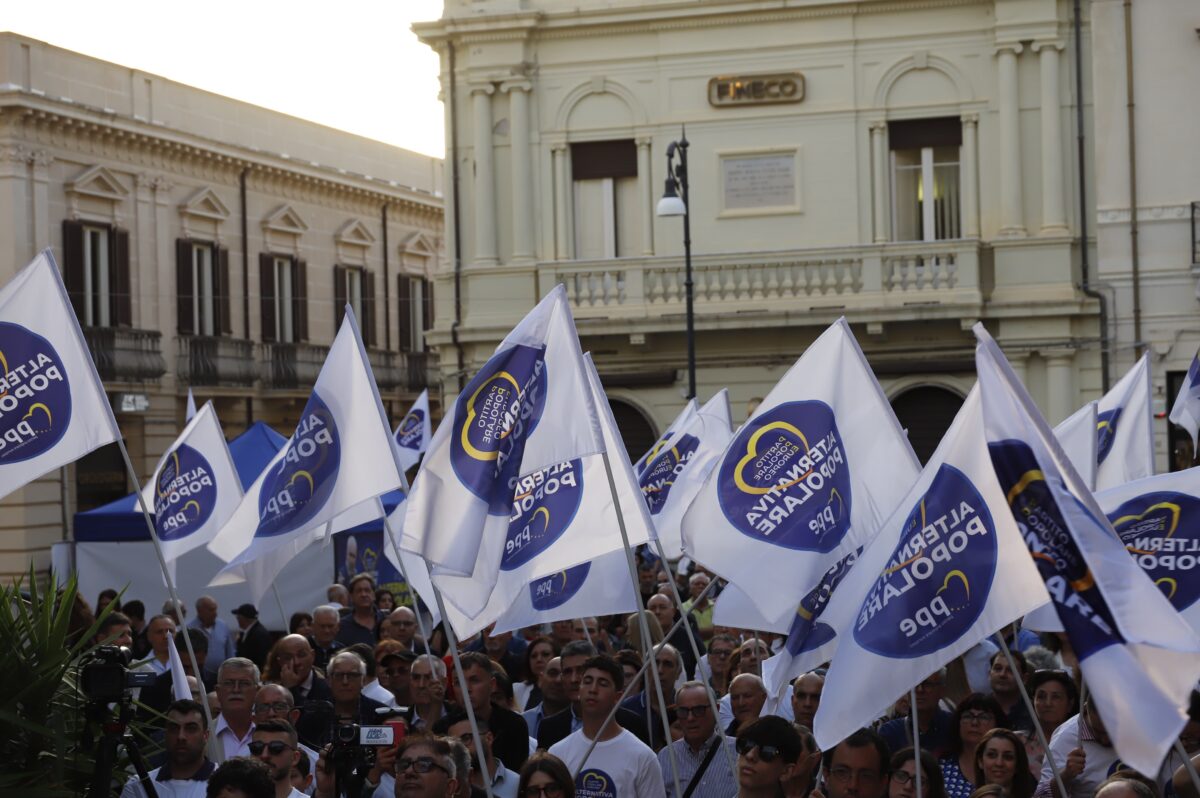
1146, 213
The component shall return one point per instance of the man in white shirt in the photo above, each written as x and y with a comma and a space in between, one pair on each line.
158, 631
620, 765
1083, 752
186, 772
276, 744
237, 682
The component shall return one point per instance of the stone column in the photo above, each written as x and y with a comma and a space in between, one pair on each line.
1054, 212
14, 207
646, 191
879, 193
563, 243
1012, 213
522, 170
485, 176
40, 161
1059, 402
970, 175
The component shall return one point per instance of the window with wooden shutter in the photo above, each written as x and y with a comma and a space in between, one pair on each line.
426, 307
405, 314
339, 296
266, 284
72, 265
368, 308
300, 300
223, 291
121, 297
185, 296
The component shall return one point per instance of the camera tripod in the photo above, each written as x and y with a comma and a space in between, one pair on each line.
114, 731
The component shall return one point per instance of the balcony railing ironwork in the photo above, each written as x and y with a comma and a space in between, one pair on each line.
291, 366
211, 360
123, 354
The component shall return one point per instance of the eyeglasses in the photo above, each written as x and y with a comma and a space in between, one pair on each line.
276, 747
420, 764
695, 712
767, 753
903, 777
547, 791
719, 653
345, 676
237, 684
843, 774
278, 706
978, 717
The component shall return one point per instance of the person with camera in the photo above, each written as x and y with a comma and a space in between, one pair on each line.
276, 744
424, 768
187, 768
347, 673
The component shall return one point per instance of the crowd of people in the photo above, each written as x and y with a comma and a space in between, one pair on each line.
573, 708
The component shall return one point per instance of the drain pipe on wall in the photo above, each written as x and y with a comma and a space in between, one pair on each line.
1135, 266
457, 215
1081, 153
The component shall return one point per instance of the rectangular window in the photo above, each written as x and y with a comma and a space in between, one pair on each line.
355, 286
606, 199
285, 322
415, 312
203, 303
95, 269
925, 178
97, 283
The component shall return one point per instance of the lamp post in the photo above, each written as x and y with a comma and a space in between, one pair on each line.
674, 202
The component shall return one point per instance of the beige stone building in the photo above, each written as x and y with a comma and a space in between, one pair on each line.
206, 243
910, 164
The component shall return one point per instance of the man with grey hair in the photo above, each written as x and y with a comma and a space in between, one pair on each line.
401, 626
698, 755
747, 695
337, 596
222, 643
670, 673
323, 638
237, 682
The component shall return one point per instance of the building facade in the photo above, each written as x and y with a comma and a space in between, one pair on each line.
206, 244
909, 164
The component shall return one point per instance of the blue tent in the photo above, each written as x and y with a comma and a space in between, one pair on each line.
251, 451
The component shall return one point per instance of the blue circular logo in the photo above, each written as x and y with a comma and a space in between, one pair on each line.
1160, 531
543, 507
35, 395
493, 418
551, 592
1106, 431
936, 583
303, 480
595, 783
409, 434
785, 479
807, 632
660, 473
184, 494
1080, 605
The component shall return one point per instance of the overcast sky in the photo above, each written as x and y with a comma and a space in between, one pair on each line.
350, 64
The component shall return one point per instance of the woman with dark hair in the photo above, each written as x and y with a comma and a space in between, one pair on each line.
1055, 698
108, 596
1000, 759
540, 651
803, 780
300, 624
904, 776
545, 776
975, 716
384, 600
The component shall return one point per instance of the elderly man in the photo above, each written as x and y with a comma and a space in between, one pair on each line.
401, 626
502, 780
361, 625
701, 609
670, 669
187, 768
158, 631
347, 673
663, 608
323, 639
337, 596
698, 755
222, 643
295, 658
159, 695
554, 697
237, 682
427, 681
275, 744
806, 697
274, 702
747, 694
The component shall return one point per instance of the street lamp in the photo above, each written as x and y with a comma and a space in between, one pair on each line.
674, 202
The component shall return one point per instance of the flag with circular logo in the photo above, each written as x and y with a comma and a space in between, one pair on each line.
1077, 436
53, 408
948, 569
806, 480
1125, 429
414, 432
685, 416
1186, 410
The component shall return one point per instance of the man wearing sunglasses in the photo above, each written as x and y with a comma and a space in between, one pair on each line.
703, 767
767, 752
275, 743
274, 702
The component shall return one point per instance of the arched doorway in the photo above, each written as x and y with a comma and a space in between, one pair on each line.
636, 430
926, 412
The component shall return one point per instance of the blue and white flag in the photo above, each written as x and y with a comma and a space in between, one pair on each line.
53, 409
1077, 434
671, 479
190, 412
597, 587
562, 517
948, 569
529, 408
1125, 429
341, 454
415, 431
806, 480
1186, 410
1158, 520
685, 416
1140, 658
194, 489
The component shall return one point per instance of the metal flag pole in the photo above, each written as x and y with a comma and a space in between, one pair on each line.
391, 535
687, 627
1187, 763
279, 601
912, 708
612, 487
588, 635
462, 685
1037, 726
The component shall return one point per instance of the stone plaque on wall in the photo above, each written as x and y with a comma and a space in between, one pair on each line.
752, 182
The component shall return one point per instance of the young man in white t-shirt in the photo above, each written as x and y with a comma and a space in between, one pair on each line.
621, 765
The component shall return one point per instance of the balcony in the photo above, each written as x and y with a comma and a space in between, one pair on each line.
209, 360
289, 367
420, 370
873, 282
123, 354
387, 367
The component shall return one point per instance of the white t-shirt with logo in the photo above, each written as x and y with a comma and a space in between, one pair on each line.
623, 767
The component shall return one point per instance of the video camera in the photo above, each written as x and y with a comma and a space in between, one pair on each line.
106, 678
353, 748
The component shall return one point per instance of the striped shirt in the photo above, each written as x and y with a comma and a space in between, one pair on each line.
717, 782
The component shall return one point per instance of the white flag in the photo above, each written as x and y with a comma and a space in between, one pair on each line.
190, 413
948, 569
195, 488
1138, 656
685, 416
415, 572
599, 587
179, 682
414, 432
53, 409
561, 517
1077, 436
805, 481
1186, 410
671, 479
1125, 429
1158, 520
528, 408
340, 455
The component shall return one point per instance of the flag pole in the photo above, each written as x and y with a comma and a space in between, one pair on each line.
279, 601
687, 627
1187, 763
612, 488
1037, 726
917, 769
588, 635
391, 536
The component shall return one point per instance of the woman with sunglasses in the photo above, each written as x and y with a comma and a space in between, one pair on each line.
903, 783
1000, 759
767, 753
975, 716
545, 776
